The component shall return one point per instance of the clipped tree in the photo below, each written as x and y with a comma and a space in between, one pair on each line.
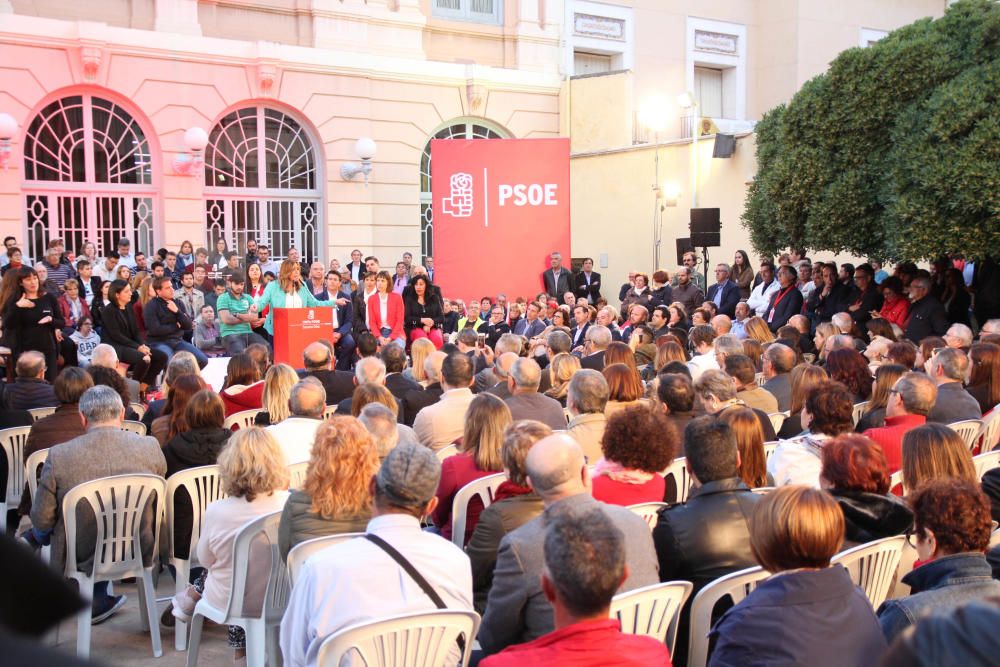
893, 152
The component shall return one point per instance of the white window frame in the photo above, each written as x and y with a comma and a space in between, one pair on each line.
733, 66
622, 52
868, 36
465, 13
91, 210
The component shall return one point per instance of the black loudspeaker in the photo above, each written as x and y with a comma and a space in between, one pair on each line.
683, 246
725, 145
705, 228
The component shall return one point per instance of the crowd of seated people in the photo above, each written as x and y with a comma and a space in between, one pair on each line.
794, 396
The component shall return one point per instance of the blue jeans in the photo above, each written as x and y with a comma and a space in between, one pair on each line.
170, 347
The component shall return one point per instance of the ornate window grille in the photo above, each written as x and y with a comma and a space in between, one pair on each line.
262, 183
477, 129
88, 177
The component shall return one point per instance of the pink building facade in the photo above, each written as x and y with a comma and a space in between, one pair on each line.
102, 111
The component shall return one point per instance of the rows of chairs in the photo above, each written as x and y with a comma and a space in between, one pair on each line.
245, 418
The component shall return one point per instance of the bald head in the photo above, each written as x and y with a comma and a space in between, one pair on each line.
554, 466
504, 363
722, 324
526, 374
316, 357
308, 398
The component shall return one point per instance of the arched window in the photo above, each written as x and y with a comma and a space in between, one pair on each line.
88, 177
472, 129
262, 183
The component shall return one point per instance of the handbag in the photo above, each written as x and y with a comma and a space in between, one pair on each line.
416, 576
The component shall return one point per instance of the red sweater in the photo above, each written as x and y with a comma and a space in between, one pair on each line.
456, 472
585, 644
890, 437
609, 491
241, 397
896, 312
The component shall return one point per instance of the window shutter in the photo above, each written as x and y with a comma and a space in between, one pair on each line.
451, 5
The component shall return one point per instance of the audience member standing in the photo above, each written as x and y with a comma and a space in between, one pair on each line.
32, 319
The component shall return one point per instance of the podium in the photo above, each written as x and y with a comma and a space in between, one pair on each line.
295, 328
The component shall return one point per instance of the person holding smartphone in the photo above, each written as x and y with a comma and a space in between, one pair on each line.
32, 319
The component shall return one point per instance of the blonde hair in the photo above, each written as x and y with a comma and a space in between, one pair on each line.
756, 328
340, 469
485, 422
278, 385
285, 276
419, 351
561, 371
144, 286
252, 464
794, 527
932, 452
803, 378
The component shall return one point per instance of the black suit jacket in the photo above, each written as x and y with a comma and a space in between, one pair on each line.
416, 400
730, 297
360, 324
584, 291
338, 384
790, 304
399, 385
593, 361
927, 318
564, 285
582, 334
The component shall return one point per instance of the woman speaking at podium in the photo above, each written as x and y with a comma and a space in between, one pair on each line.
288, 291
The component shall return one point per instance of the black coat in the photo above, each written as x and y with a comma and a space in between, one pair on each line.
338, 384
779, 312
162, 324
359, 305
871, 516
21, 330
190, 449
416, 400
414, 311
120, 329
927, 318
584, 291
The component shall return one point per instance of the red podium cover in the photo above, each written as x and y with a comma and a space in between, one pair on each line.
295, 328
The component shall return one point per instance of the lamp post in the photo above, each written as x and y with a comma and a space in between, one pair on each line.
653, 115
688, 102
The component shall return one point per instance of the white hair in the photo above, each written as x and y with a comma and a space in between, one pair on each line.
104, 355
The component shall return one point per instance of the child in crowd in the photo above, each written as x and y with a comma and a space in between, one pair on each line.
86, 339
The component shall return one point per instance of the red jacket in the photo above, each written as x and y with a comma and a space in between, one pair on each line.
395, 311
896, 312
613, 492
585, 644
67, 313
890, 437
241, 397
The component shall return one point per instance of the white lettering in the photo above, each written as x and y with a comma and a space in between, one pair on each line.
533, 194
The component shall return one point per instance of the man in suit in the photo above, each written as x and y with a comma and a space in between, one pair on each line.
343, 321
556, 279
394, 358
317, 360
724, 293
356, 267
597, 341
525, 402
532, 325
90, 285
777, 364
587, 283
416, 400
581, 316
787, 301
927, 316
517, 610
104, 450
949, 368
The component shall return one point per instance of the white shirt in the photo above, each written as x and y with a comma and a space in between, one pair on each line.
101, 270
702, 362
296, 435
442, 423
807, 288
797, 460
383, 308
760, 297
357, 581
293, 300
223, 519
128, 260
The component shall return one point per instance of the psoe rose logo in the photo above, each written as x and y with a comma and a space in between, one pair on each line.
312, 314
459, 203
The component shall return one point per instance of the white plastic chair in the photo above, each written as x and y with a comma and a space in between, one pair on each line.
648, 512
986, 462
297, 474
118, 503
12, 440
204, 487
134, 427
682, 480
737, 586
760, 379
38, 413
330, 411
302, 551
763, 490
769, 448
484, 487
262, 629
896, 479
445, 452
873, 566
652, 611
968, 430
32, 472
139, 409
242, 419
859, 411
423, 639
991, 430
777, 419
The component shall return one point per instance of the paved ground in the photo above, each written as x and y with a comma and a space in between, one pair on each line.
120, 641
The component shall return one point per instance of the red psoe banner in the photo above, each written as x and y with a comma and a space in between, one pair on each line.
501, 207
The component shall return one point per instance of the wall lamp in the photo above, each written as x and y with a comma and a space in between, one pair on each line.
8, 130
191, 162
365, 148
